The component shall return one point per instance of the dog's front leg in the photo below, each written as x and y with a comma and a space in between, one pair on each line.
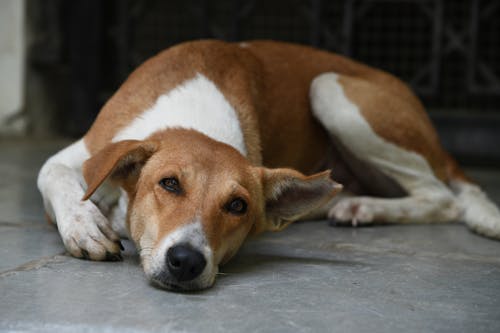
85, 231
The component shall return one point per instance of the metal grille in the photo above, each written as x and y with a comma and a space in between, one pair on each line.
449, 51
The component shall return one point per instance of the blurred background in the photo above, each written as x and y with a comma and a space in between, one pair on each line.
60, 60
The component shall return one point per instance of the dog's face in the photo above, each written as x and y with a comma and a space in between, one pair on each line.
193, 201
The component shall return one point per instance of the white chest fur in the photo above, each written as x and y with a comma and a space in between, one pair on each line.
196, 104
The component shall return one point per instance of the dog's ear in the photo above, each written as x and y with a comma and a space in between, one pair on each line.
121, 161
288, 195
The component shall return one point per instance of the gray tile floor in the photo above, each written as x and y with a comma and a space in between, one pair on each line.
309, 278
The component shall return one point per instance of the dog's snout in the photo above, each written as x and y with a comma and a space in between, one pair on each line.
184, 262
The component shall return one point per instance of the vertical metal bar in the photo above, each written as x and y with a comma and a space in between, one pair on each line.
315, 19
347, 27
122, 39
204, 19
436, 47
472, 52
85, 54
235, 32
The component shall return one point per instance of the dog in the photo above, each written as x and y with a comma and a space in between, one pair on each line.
209, 142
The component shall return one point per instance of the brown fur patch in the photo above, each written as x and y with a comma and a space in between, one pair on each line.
268, 83
396, 115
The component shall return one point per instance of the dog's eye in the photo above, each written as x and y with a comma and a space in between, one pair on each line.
171, 184
236, 206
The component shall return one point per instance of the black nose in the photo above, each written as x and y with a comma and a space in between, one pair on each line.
185, 263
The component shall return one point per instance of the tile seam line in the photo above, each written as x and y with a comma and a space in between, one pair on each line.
25, 225
34, 264
420, 254
373, 250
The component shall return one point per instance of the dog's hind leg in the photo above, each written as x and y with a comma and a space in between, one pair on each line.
351, 110
85, 231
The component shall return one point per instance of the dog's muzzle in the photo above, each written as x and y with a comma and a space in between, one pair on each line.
184, 268
182, 261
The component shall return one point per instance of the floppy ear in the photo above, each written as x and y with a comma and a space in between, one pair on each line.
288, 195
121, 161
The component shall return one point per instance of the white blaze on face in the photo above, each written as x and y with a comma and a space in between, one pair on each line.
191, 234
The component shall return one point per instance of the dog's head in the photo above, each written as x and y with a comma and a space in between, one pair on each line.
193, 201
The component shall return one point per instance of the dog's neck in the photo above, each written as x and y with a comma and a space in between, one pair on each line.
196, 104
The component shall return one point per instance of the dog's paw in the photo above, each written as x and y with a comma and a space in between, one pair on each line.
352, 211
87, 234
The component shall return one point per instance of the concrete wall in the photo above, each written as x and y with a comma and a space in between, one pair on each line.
12, 65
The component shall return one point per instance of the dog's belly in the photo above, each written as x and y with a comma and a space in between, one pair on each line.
359, 177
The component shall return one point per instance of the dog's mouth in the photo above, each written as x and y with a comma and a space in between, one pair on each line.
163, 281
167, 285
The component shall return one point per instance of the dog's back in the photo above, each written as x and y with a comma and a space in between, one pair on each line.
268, 85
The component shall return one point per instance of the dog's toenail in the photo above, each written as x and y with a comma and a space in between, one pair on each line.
113, 256
85, 254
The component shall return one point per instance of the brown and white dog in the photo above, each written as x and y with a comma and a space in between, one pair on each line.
180, 158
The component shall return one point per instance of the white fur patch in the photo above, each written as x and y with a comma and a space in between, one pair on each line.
196, 104
80, 223
118, 215
480, 213
412, 209
343, 119
430, 200
72, 156
62, 169
191, 234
